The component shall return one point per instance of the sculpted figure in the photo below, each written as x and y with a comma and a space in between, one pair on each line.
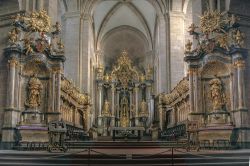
216, 93
144, 108
124, 112
106, 108
34, 92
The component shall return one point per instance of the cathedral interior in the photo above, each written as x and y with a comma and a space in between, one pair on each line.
125, 69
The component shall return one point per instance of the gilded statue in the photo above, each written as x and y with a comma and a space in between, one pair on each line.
124, 112
149, 73
239, 38
13, 36
34, 92
106, 108
188, 47
27, 46
216, 94
144, 109
192, 28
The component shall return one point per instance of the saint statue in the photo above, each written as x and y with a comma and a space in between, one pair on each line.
34, 92
124, 112
106, 108
149, 73
144, 109
216, 93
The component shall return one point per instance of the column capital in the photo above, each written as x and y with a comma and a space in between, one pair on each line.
113, 87
191, 71
13, 62
240, 64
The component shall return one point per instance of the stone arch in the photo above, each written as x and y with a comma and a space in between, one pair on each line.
116, 39
136, 12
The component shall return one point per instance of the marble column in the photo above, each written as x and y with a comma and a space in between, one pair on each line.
148, 100
12, 75
130, 106
100, 98
196, 91
113, 105
160, 109
58, 90
11, 115
241, 84
136, 89
118, 107
53, 91
191, 90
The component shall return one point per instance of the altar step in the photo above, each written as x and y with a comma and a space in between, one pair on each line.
109, 138
96, 158
104, 138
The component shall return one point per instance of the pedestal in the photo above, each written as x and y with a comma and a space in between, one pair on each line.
33, 133
218, 118
32, 127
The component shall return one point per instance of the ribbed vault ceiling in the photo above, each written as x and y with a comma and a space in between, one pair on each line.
110, 14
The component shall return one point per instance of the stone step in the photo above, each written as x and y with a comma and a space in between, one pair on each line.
95, 158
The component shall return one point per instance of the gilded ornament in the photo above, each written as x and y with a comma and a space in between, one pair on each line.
149, 72
223, 41
239, 38
27, 46
60, 46
13, 36
188, 47
124, 72
37, 33
217, 29
191, 28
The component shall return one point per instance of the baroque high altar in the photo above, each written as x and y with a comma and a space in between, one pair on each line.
124, 96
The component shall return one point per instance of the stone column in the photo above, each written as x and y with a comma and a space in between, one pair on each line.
100, 98
150, 111
113, 105
11, 114
241, 84
118, 106
176, 17
58, 90
53, 91
163, 54
160, 109
12, 75
136, 89
196, 91
130, 106
191, 90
